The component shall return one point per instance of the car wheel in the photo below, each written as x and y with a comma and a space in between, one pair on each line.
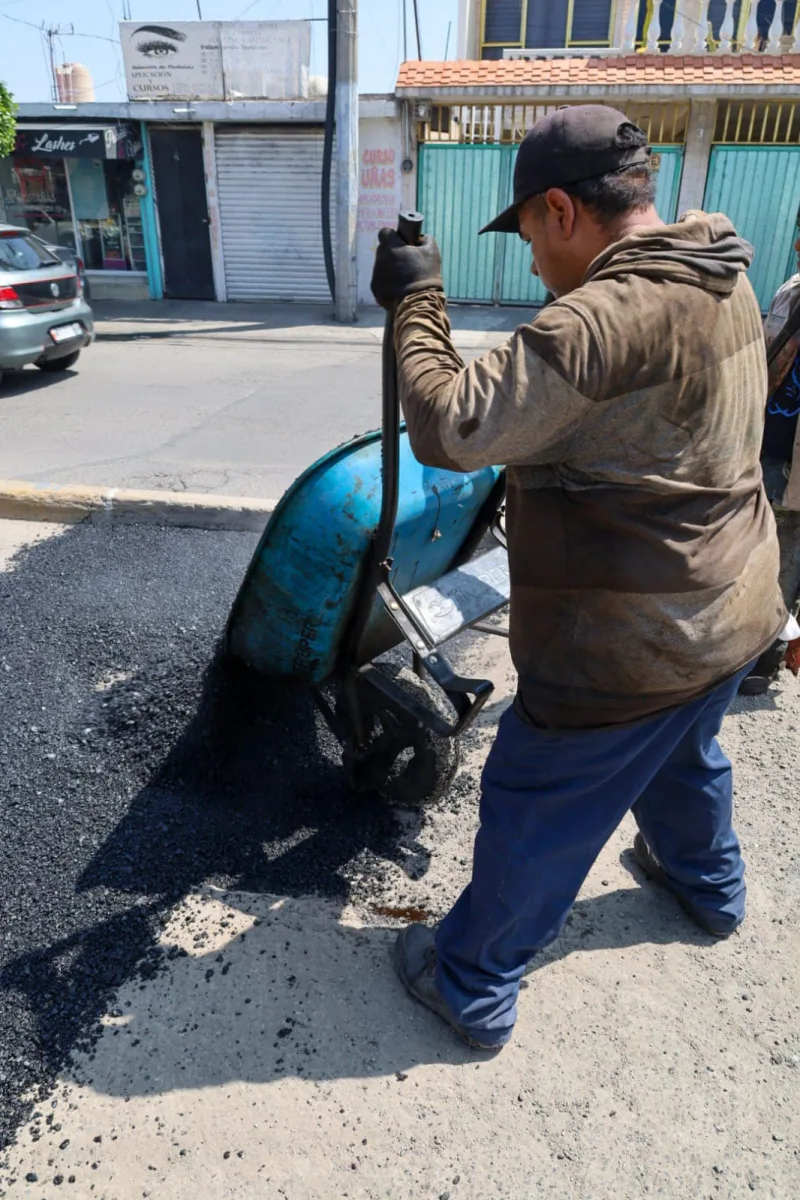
60, 364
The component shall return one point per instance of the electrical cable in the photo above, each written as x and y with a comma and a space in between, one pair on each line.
327, 150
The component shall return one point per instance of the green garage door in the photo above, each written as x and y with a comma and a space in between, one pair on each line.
457, 193
758, 187
462, 187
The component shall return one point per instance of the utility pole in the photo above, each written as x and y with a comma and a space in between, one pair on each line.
51, 32
419, 38
346, 159
199, 11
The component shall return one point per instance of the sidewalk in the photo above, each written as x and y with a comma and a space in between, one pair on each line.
474, 326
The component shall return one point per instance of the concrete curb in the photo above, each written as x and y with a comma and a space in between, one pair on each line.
71, 504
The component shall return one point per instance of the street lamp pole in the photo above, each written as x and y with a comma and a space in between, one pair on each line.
346, 160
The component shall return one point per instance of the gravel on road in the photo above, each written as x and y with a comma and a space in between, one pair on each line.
134, 768
195, 990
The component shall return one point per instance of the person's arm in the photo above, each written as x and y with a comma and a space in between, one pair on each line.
784, 309
773, 323
513, 405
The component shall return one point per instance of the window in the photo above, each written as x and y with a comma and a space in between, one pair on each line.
35, 196
107, 213
531, 25
20, 253
89, 206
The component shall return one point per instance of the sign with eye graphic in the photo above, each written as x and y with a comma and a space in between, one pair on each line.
216, 60
181, 60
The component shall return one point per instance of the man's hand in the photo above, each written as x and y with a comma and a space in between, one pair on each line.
400, 269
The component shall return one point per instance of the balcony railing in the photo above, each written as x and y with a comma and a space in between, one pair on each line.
708, 26
696, 27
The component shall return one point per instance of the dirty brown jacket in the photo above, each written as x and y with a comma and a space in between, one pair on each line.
642, 548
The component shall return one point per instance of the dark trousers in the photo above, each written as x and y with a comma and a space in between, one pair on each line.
549, 803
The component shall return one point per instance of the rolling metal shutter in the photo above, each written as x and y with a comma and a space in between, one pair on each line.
268, 183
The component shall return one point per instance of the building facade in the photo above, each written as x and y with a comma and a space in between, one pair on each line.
80, 184
723, 120
202, 201
490, 29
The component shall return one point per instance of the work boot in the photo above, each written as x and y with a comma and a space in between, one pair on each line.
414, 959
652, 867
765, 672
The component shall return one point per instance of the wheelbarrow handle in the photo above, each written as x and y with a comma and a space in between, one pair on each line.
409, 227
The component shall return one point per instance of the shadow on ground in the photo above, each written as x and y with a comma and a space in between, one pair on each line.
181, 319
256, 989
30, 379
251, 796
139, 768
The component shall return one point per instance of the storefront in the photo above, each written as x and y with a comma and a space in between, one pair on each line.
82, 186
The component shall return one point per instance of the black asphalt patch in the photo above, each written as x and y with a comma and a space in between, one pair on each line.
136, 766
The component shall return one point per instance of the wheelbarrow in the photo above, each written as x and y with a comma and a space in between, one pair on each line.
369, 550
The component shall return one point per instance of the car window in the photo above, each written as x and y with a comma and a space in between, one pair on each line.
62, 253
21, 253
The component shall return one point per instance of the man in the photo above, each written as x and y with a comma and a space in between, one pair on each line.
642, 548
780, 462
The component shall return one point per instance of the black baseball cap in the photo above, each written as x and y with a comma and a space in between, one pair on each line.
567, 146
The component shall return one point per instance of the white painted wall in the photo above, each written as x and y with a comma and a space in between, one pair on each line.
469, 15
380, 190
212, 199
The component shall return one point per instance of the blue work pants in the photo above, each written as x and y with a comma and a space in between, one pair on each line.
549, 803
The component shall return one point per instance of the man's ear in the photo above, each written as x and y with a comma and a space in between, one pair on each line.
561, 207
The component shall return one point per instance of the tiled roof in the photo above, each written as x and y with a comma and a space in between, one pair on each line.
633, 70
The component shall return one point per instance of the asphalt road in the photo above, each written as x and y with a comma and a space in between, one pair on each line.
233, 417
134, 770
210, 406
159, 1037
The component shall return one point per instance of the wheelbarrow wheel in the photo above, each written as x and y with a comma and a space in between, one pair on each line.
404, 760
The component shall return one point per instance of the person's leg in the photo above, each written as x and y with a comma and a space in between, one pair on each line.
766, 670
787, 522
549, 803
685, 815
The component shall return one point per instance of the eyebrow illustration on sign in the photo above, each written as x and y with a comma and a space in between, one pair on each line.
169, 61
216, 60
164, 40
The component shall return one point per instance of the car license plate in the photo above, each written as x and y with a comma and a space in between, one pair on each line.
63, 333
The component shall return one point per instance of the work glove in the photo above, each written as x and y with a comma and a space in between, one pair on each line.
400, 269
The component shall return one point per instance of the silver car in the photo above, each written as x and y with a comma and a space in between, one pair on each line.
44, 317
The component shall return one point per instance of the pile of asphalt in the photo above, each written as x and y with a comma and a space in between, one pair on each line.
136, 766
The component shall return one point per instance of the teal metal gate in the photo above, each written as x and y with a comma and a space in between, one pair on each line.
461, 187
457, 192
758, 187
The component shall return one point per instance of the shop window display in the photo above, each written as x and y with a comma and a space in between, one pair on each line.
54, 197
107, 213
34, 194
